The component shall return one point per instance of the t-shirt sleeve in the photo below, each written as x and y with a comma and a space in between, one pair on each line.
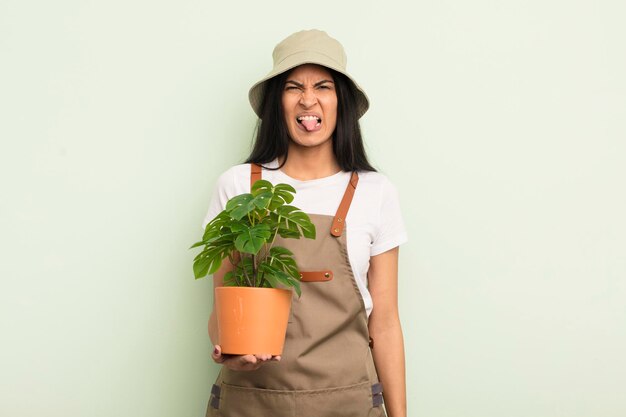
391, 230
221, 194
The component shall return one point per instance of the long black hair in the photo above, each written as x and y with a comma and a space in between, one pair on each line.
272, 136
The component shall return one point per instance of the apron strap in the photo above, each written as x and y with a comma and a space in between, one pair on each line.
255, 174
339, 220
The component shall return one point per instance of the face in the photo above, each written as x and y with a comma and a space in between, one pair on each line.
309, 103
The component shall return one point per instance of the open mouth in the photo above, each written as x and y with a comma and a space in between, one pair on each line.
310, 123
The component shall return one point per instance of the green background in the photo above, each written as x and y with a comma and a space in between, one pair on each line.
500, 122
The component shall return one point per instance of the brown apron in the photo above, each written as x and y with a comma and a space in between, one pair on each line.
326, 367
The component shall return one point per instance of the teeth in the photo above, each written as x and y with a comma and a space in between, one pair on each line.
308, 118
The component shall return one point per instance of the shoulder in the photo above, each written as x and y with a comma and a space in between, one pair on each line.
235, 173
234, 178
376, 182
389, 229
234, 181
375, 193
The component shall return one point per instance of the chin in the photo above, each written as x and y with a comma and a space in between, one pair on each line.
304, 139
309, 142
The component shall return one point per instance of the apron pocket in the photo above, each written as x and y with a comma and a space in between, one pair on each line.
255, 402
349, 401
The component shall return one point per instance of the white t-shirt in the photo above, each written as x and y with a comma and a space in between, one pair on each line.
373, 224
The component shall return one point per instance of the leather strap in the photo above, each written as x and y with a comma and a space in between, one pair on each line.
316, 276
255, 174
340, 218
377, 394
214, 399
377, 388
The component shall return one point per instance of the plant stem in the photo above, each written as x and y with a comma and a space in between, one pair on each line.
275, 234
235, 265
245, 274
268, 247
254, 269
262, 276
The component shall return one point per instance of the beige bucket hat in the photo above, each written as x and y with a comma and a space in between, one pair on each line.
307, 47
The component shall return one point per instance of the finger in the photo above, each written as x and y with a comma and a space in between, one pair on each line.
276, 358
248, 359
217, 354
248, 363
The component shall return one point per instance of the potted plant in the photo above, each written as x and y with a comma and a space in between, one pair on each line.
253, 306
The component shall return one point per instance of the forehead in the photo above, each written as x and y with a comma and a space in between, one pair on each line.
309, 71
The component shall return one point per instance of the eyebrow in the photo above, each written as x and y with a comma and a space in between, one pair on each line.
314, 85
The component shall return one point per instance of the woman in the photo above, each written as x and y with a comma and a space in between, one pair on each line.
344, 340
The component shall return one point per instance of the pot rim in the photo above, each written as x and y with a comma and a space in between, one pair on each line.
223, 288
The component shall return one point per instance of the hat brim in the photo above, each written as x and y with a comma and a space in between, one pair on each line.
255, 95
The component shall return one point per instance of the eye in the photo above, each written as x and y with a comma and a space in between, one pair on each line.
291, 87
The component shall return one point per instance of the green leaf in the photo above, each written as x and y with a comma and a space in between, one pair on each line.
214, 227
230, 280
221, 240
283, 259
276, 277
262, 186
240, 206
300, 218
288, 229
270, 281
206, 263
210, 259
285, 191
288, 234
238, 201
283, 194
201, 267
243, 269
195, 245
280, 251
251, 240
237, 226
263, 200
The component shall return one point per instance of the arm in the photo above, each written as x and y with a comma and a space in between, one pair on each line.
386, 331
233, 362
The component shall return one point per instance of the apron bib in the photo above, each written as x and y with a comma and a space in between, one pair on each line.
327, 367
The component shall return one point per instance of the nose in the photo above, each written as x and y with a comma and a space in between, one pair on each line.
308, 97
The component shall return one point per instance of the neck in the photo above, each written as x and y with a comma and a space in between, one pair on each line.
306, 163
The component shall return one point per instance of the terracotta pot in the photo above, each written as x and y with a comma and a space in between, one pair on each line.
252, 320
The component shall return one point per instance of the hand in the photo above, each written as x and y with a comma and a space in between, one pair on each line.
242, 362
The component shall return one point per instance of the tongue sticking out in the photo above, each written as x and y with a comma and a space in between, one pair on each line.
309, 124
